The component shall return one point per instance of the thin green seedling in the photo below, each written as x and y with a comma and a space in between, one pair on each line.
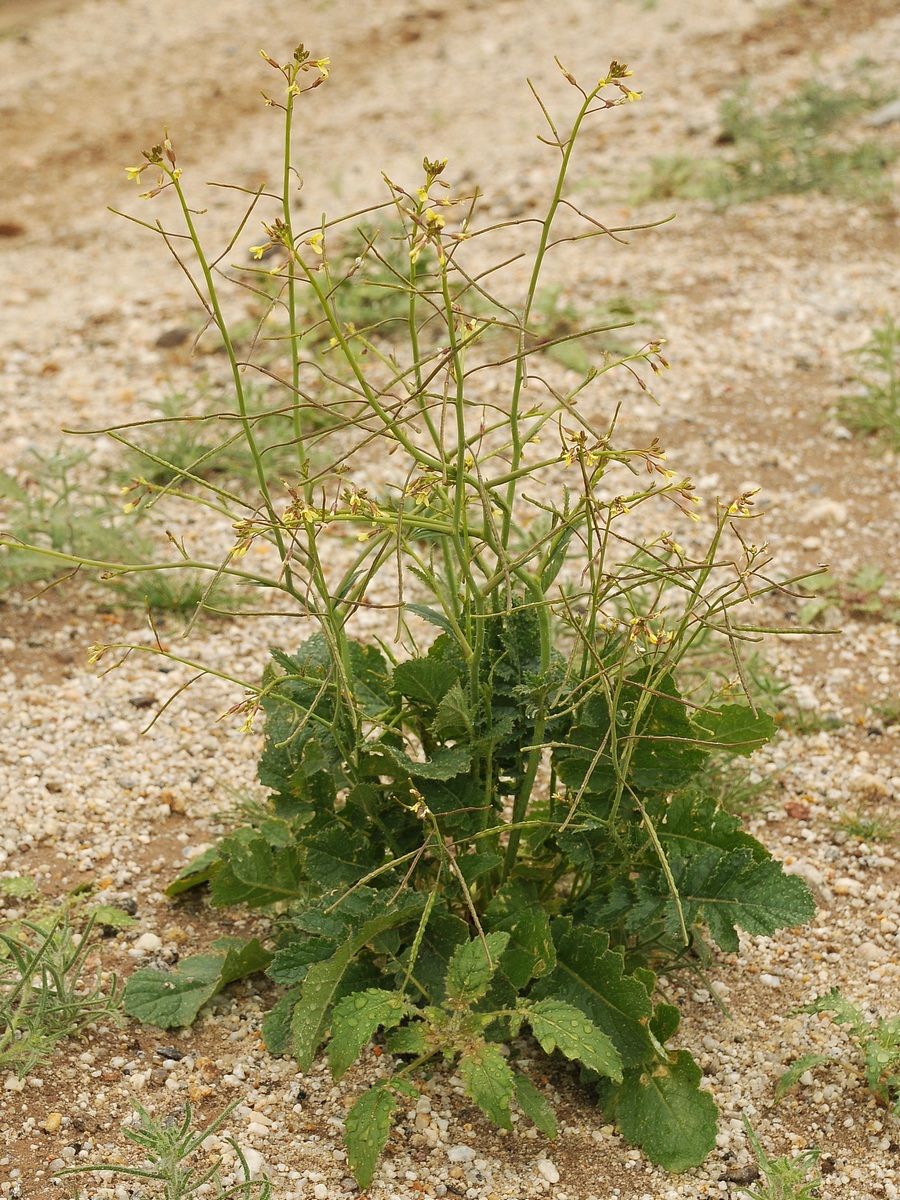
874, 410
877, 1042
866, 594
804, 143
172, 1152
479, 745
864, 826
47, 992
786, 1177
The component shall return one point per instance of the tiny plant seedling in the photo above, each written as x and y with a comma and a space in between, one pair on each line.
877, 1040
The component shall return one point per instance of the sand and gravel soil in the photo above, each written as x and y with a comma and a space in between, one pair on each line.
761, 306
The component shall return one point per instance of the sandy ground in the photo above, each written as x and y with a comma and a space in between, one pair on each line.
760, 306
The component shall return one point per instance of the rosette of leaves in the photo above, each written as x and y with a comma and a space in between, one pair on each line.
384, 853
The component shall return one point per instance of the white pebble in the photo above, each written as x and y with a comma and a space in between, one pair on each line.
255, 1161
769, 980
460, 1154
148, 942
548, 1170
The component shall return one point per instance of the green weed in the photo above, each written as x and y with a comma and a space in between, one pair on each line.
46, 992
783, 1178
799, 145
173, 1159
874, 410
49, 507
877, 1042
482, 821
864, 595
870, 827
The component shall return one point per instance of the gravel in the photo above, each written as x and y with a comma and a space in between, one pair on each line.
760, 308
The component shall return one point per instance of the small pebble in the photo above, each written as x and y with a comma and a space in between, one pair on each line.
460, 1154
148, 942
548, 1170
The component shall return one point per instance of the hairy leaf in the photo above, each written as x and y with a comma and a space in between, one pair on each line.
791, 1076
535, 1106
320, 986
454, 717
662, 1109
425, 681
366, 1131
530, 951
355, 1020
169, 999
731, 891
337, 856
255, 874
198, 871
591, 976
489, 1081
409, 1039
737, 728
443, 764
558, 1025
471, 967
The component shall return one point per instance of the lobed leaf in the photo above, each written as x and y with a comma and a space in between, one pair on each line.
591, 976
322, 980
805, 1063
169, 999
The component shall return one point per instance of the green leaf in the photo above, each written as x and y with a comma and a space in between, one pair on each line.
367, 1128
292, 961
591, 976
454, 717
355, 1020
255, 874
338, 856
443, 934
666, 744
198, 871
443, 764
169, 999
425, 681
662, 1109
471, 967
737, 728
530, 951
535, 1107
241, 957
473, 866
558, 1025
110, 916
733, 890
320, 986
489, 1081
692, 824
276, 1026
431, 615
409, 1039
18, 886
805, 1063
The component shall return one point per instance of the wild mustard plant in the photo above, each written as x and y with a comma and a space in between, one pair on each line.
478, 821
